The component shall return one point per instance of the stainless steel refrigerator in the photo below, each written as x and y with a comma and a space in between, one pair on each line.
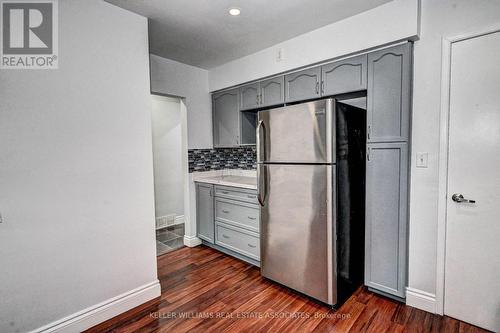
297, 191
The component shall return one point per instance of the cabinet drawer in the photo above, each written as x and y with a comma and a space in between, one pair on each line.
238, 240
237, 213
236, 193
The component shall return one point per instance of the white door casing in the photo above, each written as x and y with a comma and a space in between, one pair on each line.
469, 272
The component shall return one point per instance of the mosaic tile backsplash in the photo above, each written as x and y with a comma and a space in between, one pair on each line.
222, 158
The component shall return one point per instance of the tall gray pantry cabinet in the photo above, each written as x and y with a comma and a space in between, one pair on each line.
387, 164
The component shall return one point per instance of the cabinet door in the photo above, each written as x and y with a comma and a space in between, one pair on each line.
249, 96
303, 85
344, 76
226, 118
389, 76
386, 217
272, 91
205, 212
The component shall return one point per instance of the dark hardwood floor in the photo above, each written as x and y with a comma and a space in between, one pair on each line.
204, 290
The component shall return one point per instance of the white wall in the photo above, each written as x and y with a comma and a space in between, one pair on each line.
394, 21
174, 78
76, 177
167, 156
438, 19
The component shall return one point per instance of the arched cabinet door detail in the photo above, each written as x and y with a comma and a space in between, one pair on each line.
388, 98
249, 96
344, 76
272, 91
303, 85
226, 118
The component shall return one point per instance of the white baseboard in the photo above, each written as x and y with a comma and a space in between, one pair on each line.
421, 300
179, 220
191, 241
101, 312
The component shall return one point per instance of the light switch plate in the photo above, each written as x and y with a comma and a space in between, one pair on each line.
280, 55
422, 160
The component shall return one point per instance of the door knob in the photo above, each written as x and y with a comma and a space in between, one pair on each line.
457, 197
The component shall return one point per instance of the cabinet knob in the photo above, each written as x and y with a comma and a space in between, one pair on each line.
225, 211
225, 236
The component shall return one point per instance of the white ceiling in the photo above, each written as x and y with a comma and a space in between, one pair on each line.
202, 33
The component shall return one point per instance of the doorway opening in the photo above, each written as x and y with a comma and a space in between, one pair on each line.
170, 170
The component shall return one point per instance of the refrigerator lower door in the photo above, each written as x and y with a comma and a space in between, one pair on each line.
301, 133
298, 229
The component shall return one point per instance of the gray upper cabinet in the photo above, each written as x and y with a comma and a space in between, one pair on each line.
386, 217
272, 91
389, 80
303, 85
205, 212
226, 118
250, 96
263, 93
344, 76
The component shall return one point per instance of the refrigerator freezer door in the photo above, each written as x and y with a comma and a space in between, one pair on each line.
299, 133
297, 229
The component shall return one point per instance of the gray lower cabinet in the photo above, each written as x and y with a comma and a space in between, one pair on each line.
386, 217
205, 212
344, 76
226, 118
250, 96
303, 85
228, 218
272, 91
239, 214
388, 96
238, 240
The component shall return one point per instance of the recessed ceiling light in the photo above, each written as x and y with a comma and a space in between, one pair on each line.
234, 11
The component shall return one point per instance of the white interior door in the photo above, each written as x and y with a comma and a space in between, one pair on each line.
472, 271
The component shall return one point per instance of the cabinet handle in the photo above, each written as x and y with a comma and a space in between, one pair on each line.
225, 211
224, 192
258, 102
225, 236
369, 131
252, 246
368, 154
252, 218
251, 196
322, 87
317, 87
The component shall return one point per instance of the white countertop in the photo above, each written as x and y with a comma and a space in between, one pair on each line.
235, 178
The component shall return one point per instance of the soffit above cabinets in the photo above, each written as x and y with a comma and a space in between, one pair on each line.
203, 34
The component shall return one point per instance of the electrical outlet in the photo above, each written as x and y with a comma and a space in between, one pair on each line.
422, 160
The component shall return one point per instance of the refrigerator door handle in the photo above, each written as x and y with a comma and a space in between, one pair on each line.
261, 143
261, 183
